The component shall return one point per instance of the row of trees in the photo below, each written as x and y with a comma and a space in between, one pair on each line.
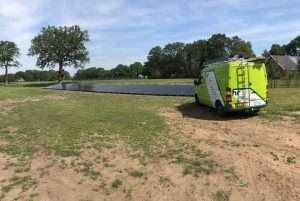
186, 60
121, 71
176, 60
33, 76
292, 48
65, 46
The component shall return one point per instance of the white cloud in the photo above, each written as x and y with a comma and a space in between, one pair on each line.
123, 31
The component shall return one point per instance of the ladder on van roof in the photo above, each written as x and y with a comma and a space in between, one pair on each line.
241, 77
243, 81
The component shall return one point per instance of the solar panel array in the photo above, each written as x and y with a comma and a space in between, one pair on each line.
156, 90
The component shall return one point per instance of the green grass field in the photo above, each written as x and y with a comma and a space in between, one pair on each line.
62, 124
135, 118
283, 102
80, 114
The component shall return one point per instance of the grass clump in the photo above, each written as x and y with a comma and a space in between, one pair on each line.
116, 183
136, 173
291, 159
221, 196
86, 168
25, 183
17, 149
195, 161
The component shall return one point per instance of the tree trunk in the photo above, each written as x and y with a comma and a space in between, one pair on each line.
60, 73
6, 75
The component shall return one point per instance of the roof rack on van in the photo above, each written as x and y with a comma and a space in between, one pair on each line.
217, 60
235, 58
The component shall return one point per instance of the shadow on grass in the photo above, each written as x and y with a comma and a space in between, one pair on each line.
192, 110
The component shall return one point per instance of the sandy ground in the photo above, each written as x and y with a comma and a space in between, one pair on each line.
258, 160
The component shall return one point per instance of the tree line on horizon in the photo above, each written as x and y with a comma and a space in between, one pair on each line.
65, 46
292, 48
34, 76
175, 60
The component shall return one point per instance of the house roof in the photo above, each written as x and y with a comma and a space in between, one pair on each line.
286, 62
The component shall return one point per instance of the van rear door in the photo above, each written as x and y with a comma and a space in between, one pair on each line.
251, 85
258, 82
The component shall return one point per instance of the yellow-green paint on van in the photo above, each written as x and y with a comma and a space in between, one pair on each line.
233, 85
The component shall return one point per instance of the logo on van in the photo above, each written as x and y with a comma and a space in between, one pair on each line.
236, 92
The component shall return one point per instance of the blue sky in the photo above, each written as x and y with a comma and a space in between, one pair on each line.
123, 31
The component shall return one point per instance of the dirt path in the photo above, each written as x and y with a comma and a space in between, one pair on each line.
264, 154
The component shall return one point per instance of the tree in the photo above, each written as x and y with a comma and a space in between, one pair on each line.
240, 47
121, 71
195, 56
187, 60
293, 48
62, 46
265, 53
9, 53
153, 66
277, 49
136, 69
173, 60
218, 46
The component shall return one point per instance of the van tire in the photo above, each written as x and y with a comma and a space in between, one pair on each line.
220, 109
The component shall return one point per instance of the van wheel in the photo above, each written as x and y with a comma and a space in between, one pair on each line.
197, 100
220, 109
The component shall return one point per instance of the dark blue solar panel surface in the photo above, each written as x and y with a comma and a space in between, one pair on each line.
157, 90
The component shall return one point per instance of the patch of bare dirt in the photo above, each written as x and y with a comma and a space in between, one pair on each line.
91, 176
259, 150
255, 160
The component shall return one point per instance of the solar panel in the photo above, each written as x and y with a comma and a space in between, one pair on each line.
157, 90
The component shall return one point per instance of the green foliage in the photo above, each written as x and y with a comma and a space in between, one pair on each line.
292, 48
34, 76
277, 49
154, 65
8, 56
136, 173
62, 46
196, 54
241, 48
119, 72
177, 60
136, 69
291, 160
116, 183
221, 196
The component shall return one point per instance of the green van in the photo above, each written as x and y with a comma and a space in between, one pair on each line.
233, 85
